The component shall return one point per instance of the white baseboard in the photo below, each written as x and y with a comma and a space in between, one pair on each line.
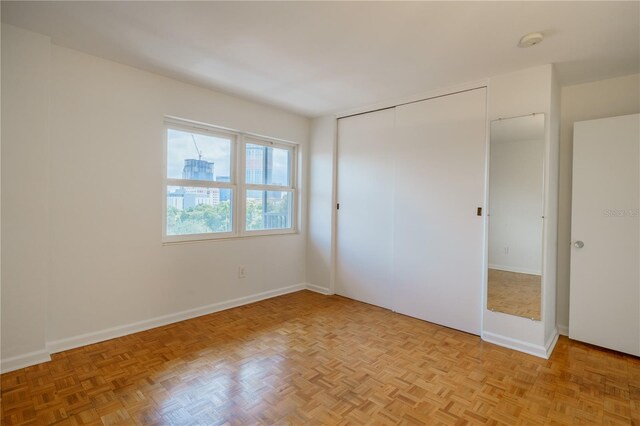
563, 329
114, 332
25, 360
319, 289
519, 345
33, 358
551, 343
515, 269
55, 346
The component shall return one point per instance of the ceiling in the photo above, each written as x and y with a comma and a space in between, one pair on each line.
315, 58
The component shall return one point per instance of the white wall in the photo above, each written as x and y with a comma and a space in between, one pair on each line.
321, 161
516, 203
86, 220
25, 196
600, 99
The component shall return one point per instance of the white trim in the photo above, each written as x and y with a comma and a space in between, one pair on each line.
187, 238
515, 269
563, 330
551, 343
273, 231
292, 188
199, 128
333, 255
485, 208
241, 202
200, 183
272, 188
207, 238
237, 184
546, 162
25, 360
269, 142
516, 344
319, 289
123, 330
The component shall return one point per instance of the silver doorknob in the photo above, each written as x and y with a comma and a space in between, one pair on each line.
578, 244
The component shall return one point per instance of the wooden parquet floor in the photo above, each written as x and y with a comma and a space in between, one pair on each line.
514, 293
306, 358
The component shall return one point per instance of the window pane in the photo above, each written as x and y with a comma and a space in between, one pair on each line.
198, 157
267, 165
268, 210
198, 210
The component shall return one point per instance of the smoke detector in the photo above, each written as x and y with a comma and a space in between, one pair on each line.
530, 39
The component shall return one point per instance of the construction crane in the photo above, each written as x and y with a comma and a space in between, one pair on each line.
197, 149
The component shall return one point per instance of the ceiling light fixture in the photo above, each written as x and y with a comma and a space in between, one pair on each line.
530, 39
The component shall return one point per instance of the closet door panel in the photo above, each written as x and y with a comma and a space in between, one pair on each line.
365, 188
604, 308
440, 148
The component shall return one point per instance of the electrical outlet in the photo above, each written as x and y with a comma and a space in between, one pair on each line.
506, 250
241, 272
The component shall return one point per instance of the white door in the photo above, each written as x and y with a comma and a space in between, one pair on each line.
439, 184
365, 190
605, 231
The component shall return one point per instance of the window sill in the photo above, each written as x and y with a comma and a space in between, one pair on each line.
202, 238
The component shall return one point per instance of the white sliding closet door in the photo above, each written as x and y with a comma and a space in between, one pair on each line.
440, 151
365, 190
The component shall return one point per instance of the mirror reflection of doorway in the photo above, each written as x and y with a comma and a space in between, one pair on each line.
516, 209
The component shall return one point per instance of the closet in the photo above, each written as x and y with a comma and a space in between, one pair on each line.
410, 227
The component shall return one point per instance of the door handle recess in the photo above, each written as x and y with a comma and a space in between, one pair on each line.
578, 244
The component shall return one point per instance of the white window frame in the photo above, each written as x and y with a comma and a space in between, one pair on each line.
237, 175
292, 187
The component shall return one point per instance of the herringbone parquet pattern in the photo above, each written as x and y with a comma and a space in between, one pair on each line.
305, 358
514, 293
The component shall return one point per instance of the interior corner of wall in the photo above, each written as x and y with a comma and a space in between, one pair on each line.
319, 289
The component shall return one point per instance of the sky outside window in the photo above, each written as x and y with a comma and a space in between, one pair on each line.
181, 147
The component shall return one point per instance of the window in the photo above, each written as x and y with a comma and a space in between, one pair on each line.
268, 184
225, 184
